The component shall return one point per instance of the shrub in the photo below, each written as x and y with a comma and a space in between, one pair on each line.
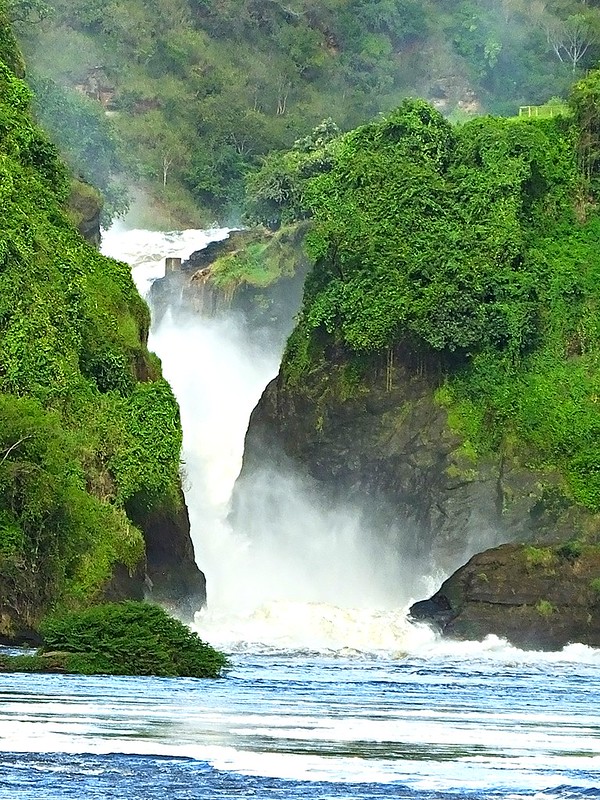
571, 549
129, 638
544, 608
539, 557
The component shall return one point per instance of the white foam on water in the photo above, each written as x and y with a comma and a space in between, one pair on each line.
145, 251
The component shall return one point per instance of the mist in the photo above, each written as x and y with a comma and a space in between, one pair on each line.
288, 568
285, 541
284, 561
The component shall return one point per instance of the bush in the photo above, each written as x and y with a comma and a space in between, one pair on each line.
544, 608
129, 638
571, 549
540, 557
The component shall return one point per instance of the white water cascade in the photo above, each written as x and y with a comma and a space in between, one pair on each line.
314, 579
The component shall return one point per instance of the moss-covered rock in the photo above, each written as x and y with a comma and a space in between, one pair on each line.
537, 597
84, 209
254, 273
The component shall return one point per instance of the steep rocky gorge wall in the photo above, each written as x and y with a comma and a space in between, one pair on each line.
389, 446
389, 449
443, 372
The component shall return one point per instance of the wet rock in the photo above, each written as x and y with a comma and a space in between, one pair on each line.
172, 577
387, 446
537, 597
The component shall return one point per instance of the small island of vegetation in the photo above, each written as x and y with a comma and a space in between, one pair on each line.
129, 638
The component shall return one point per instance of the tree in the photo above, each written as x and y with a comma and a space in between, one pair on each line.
585, 104
27, 11
571, 39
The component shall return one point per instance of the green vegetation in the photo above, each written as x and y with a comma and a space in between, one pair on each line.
472, 252
89, 435
200, 91
261, 261
87, 140
120, 639
540, 557
571, 549
544, 608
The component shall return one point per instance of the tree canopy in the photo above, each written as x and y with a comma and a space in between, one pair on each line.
201, 92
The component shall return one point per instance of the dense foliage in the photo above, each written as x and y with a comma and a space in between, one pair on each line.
473, 251
82, 439
128, 638
422, 232
202, 90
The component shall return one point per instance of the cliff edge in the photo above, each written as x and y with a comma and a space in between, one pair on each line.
443, 373
90, 438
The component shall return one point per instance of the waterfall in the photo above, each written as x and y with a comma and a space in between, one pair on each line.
300, 575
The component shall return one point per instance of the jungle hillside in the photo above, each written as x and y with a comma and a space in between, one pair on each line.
90, 436
182, 99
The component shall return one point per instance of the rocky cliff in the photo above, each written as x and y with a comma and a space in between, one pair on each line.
386, 444
443, 374
538, 597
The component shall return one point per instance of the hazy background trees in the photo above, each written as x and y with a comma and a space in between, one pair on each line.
201, 90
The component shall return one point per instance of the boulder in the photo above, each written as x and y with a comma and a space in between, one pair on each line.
537, 597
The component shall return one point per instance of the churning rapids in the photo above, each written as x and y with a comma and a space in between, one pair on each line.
324, 699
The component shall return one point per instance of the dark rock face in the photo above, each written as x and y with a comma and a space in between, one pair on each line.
172, 576
537, 598
125, 584
391, 450
85, 207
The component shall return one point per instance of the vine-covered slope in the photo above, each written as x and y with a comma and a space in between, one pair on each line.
89, 431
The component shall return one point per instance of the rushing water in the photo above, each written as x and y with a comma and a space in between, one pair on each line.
325, 698
289, 725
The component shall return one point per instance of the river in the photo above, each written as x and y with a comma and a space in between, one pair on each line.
325, 697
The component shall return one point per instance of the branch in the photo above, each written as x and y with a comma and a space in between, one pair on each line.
12, 447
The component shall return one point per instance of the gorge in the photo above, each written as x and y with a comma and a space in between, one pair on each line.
431, 395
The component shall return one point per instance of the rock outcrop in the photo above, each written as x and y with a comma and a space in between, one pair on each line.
254, 273
385, 444
536, 597
84, 209
172, 577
